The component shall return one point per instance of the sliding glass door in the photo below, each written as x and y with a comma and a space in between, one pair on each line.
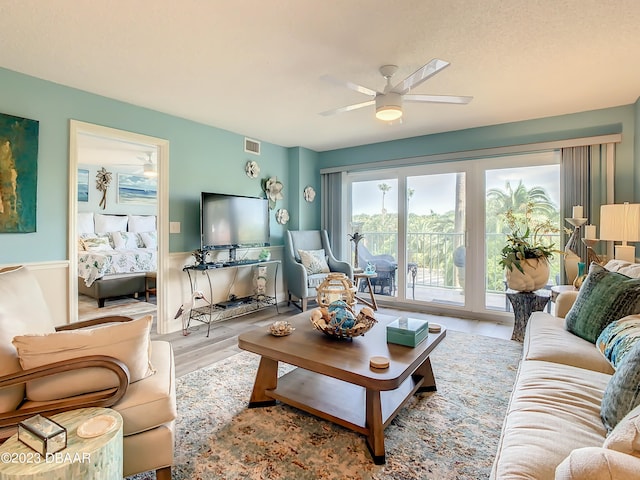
435, 226
434, 232
374, 214
531, 191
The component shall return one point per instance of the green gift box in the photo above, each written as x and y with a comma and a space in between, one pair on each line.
407, 331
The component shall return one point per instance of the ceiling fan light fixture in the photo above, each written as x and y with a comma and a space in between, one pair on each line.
389, 107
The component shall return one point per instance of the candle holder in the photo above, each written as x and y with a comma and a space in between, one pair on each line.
355, 238
571, 257
592, 256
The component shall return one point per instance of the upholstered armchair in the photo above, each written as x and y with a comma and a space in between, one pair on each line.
386, 267
113, 364
307, 261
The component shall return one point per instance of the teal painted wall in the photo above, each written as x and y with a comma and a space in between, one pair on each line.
303, 172
202, 158
599, 122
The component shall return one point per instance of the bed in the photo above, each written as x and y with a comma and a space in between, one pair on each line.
115, 254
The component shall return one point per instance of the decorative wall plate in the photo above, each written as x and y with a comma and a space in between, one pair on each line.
273, 188
309, 193
252, 169
282, 216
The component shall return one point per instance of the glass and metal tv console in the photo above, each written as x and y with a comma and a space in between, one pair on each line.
208, 312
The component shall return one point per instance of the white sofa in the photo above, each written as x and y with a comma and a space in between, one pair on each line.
553, 426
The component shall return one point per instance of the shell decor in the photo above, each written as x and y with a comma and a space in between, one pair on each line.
339, 320
309, 194
282, 216
252, 169
281, 328
273, 188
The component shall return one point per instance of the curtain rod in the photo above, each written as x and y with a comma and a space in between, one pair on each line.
478, 153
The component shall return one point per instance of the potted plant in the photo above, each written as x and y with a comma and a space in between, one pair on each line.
526, 254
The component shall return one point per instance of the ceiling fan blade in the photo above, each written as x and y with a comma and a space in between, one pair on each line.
350, 85
437, 98
348, 108
420, 75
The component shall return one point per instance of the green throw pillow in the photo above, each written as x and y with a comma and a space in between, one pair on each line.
618, 338
623, 390
604, 297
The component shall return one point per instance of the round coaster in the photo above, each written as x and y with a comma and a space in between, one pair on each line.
379, 362
96, 426
435, 328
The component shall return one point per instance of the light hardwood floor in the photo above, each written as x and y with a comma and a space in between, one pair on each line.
196, 351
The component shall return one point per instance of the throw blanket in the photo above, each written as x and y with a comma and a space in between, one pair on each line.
95, 265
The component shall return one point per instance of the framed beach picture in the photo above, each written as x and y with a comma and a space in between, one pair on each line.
18, 174
137, 189
83, 185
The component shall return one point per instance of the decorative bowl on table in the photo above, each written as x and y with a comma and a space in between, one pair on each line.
281, 328
339, 320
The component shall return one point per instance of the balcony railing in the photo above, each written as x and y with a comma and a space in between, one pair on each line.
435, 256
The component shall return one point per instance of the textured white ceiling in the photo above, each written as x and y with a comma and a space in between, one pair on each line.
253, 67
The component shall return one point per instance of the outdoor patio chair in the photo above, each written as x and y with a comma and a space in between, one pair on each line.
386, 266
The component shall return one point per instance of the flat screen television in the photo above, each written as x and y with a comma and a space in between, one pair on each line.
233, 221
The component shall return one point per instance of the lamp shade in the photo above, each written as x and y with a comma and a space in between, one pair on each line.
620, 222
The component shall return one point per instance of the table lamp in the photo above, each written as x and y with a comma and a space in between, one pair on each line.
621, 222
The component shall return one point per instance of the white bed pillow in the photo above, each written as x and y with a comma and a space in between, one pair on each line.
125, 240
150, 239
142, 223
110, 223
85, 222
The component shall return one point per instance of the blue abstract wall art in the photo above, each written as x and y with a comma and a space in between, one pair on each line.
18, 174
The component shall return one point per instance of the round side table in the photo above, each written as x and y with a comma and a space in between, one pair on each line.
358, 277
97, 458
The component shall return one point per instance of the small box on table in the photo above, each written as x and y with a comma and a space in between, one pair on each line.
407, 331
42, 435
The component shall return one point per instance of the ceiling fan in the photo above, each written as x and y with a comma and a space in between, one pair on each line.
389, 102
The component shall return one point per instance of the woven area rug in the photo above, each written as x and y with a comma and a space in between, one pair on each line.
450, 434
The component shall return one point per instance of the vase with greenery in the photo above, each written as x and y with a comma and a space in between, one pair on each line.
528, 249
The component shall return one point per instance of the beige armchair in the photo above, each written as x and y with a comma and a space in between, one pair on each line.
114, 365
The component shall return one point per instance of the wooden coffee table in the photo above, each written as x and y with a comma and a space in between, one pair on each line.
335, 381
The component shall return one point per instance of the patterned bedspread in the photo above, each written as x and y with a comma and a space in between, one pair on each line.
95, 265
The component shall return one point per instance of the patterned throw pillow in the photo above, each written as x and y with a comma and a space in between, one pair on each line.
125, 240
149, 239
97, 244
314, 261
618, 337
604, 297
622, 393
